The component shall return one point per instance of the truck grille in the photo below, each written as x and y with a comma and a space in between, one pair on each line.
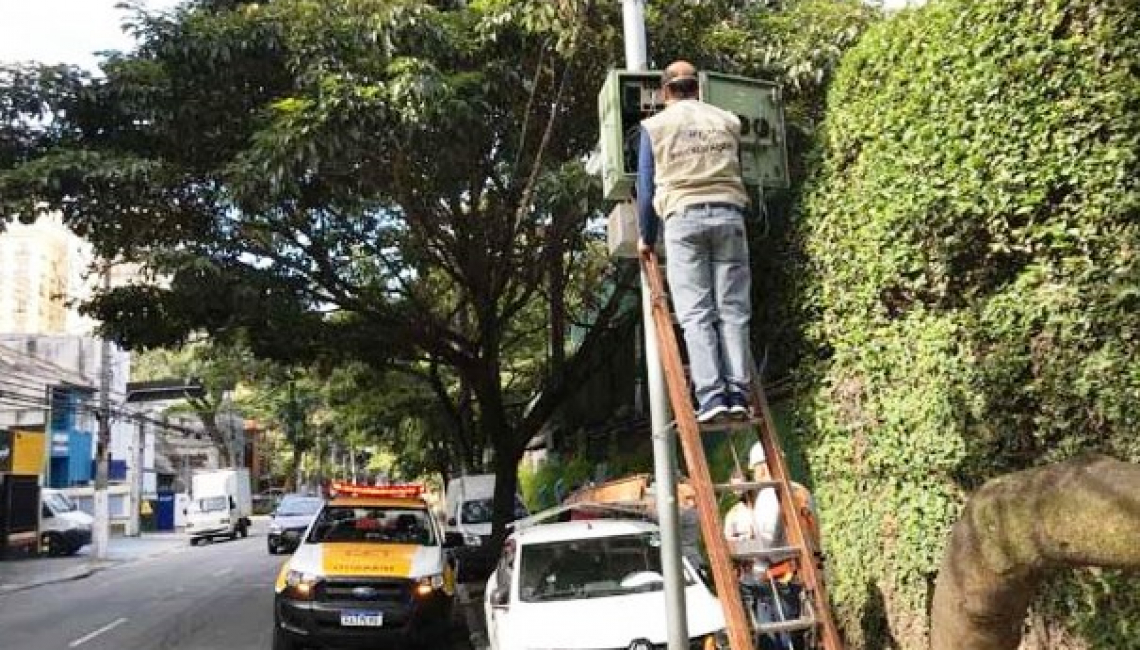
365, 591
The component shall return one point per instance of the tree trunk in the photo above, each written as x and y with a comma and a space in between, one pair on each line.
1017, 529
295, 472
209, 419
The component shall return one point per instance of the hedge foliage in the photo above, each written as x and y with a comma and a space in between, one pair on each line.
973, 291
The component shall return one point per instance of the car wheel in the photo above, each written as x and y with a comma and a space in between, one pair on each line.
55, 544
273, 550
234, 534
193, 541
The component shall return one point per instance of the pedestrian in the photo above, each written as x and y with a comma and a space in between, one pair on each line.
756, 517
689, 175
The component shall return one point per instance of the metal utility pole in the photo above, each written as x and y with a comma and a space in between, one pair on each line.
137, 447
101, 532
664, 449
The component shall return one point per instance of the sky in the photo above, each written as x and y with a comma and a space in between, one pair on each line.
63, 31
71, 31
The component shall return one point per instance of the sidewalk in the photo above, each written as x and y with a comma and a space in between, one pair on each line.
18, 575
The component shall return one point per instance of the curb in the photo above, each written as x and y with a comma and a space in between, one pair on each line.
76, 574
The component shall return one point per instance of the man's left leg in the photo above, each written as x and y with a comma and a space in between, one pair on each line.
732, 277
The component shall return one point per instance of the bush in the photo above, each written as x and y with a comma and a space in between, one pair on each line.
973, 284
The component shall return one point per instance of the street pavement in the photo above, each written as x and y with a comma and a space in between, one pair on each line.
210, 597
17, 575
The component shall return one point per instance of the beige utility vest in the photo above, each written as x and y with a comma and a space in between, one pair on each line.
696, 156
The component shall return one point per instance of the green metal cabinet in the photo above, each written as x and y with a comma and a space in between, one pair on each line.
627, 97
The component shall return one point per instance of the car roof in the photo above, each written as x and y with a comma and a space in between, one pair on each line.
584, 529
379, 502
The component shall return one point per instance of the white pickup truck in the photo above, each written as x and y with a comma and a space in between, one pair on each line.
591, 584
221, 505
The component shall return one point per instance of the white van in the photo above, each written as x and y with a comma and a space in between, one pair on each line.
64, 528
469, 506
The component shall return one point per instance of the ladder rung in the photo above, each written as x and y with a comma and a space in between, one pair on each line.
751, 549
746, 486
794, 625
729, 425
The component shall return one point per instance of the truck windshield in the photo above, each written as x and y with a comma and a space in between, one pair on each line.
213, 504
379, 524
59, 503
591, 568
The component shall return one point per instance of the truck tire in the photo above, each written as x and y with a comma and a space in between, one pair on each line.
244, 530
55, 544
234, 533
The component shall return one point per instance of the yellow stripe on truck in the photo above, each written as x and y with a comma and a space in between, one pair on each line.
367, 559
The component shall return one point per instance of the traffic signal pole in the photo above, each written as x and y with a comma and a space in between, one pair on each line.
664, 448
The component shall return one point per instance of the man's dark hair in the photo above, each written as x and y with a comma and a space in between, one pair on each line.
683, 85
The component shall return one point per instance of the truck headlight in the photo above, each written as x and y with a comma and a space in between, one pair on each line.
301, 584
471, 539
428, 584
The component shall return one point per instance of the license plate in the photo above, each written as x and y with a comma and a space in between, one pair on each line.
358, 618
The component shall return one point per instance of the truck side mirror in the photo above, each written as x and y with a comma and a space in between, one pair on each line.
451, 521
500, 597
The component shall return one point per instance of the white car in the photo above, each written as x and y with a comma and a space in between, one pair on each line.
591, 584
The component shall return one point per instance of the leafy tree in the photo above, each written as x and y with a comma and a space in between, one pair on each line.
360, 179
218, 368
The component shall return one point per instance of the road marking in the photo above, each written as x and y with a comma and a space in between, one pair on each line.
106, 628
223, 572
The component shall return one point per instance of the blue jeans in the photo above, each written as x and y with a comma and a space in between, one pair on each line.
707, 264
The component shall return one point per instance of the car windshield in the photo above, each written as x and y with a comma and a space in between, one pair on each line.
591, 568
480, 511
212, 504
379, 524
299, 506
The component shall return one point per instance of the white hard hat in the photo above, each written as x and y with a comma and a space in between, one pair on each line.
756, 455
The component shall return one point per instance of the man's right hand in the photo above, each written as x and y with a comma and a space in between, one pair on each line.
643, 249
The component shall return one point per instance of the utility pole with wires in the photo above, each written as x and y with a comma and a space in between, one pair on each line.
101, 532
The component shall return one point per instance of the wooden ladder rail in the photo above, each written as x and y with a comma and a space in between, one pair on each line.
688, 430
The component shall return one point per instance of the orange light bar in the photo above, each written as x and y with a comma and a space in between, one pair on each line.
403, 491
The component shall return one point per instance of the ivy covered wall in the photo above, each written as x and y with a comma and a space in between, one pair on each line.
973, 292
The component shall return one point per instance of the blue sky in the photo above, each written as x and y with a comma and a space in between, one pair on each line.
63, 31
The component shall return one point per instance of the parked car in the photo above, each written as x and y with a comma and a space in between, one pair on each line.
64, 528
468, 509
591, 584
290, 520
370, 571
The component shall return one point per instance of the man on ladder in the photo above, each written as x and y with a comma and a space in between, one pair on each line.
689, 174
